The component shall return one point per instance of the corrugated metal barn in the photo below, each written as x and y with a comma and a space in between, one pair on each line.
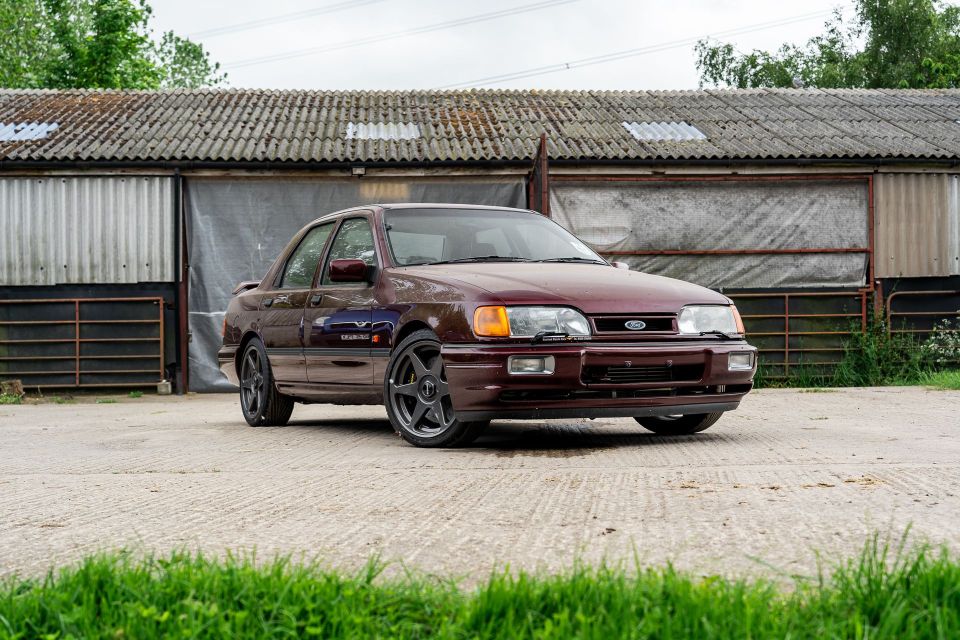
128, 217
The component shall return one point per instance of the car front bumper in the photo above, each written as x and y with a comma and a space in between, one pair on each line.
596, 380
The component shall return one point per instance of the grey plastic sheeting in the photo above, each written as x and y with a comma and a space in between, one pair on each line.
238, 226
637, 216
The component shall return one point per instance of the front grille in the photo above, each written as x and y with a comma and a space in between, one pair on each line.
634, 375
659, 324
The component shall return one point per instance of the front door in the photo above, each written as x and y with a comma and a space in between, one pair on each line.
282, 307
337, 319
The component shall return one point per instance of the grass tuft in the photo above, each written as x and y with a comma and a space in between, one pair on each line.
884, 593
135, 394
9, 398
943, 380
106, 401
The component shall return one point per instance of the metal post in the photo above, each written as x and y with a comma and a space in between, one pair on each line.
786, 335
877, 294
183, 318
544, 177
538, 186
76, 344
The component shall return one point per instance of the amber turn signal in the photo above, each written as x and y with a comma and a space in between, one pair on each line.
491, 322
738, 320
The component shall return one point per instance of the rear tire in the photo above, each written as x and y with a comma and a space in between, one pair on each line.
261, 403
417, 397
679, 425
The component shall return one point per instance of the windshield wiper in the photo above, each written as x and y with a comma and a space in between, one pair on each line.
482, 259
573, 259
720, 334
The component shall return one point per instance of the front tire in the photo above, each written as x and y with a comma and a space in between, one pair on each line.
679, 425
261, 403
417, 396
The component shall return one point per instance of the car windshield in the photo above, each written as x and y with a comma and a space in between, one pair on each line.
438, 236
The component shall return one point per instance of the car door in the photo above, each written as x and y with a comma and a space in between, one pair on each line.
338, 315
282, 306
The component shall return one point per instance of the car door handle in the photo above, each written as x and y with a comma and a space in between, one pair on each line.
315, 299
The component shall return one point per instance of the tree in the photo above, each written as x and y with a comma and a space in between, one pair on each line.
95, 44
886, 43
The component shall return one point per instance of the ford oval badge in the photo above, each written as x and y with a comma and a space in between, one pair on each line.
635, 325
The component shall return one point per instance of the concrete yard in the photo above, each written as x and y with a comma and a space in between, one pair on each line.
789, 474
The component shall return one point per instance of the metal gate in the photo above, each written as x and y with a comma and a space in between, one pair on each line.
917, 314
801, 329
82, 342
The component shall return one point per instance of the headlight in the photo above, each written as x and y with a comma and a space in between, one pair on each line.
700, 319
527, 322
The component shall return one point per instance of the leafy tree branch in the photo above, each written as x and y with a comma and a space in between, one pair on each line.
886, 43
96, 44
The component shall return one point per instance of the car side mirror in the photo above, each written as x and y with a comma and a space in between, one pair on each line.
246, 285
621, 265
348, 271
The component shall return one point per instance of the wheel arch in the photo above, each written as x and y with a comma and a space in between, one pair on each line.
244, 341
406, 329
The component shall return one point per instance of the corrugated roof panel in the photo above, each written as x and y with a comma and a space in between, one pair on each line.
656, 131
126, 230
907, 206
13, 132
382, 130
294, 126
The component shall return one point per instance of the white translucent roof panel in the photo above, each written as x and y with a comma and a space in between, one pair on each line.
12, 131
382, 131
664, 131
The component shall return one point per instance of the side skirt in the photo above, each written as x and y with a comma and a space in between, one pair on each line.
331, 394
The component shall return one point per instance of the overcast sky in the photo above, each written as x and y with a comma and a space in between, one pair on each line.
357, 56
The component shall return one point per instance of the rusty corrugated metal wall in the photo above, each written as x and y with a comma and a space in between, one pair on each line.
86, 230
917, 225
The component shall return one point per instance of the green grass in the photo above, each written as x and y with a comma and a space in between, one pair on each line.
135, 394
106, 401
943, 380
872, 357
884, 593
9, 398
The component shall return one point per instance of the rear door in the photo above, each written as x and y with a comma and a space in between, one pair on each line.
337, 320
282, 306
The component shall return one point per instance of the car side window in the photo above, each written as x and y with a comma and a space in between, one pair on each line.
354, 241
298, 274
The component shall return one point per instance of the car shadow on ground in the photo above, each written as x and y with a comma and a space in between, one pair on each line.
561, 440
556, 439
338, 425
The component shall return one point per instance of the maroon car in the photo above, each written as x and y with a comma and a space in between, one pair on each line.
453, 315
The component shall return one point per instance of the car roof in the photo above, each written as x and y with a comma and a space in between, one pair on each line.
400, 206
446, 205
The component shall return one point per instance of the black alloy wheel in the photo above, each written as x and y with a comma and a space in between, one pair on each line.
679, 425
261, 403
418, 397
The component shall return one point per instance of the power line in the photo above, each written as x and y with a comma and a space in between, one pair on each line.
357, 42
629, 53
287, 17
